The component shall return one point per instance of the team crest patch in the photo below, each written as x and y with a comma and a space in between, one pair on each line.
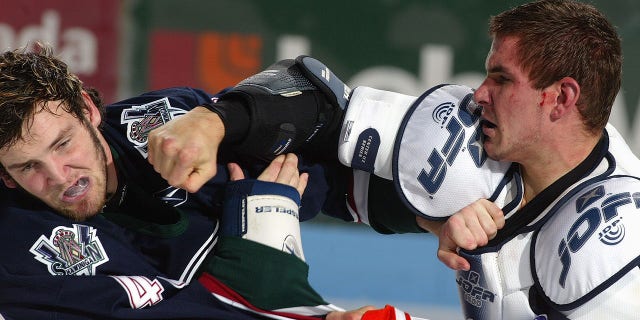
142, 119
70, 251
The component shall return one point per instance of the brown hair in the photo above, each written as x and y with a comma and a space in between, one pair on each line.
30, 79
566, 38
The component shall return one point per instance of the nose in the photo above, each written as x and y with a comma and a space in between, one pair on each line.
481, 95
56, 173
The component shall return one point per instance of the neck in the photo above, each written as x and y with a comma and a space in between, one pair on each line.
112, 175
540, 173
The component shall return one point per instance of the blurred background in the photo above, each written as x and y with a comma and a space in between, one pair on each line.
130, 46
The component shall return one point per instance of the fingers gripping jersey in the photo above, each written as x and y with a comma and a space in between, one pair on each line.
570, 253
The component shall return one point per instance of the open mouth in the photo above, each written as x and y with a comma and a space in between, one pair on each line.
78, 188
487, 124
488, 129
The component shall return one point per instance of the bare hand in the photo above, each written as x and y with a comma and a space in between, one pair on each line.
184, 150
471, 227
283, 169
349, 315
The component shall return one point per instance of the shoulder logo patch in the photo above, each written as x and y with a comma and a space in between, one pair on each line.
142, 119
442, 112
172, 195
70, 251
600, 215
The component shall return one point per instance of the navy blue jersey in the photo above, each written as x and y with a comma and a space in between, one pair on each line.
139, 258
128, 122
57, 269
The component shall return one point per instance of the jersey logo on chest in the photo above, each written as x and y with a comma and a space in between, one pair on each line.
70, 251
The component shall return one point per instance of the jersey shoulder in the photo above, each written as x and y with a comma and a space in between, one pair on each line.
589, 242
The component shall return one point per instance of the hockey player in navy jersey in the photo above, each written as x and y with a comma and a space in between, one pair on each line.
547, 232
91, 231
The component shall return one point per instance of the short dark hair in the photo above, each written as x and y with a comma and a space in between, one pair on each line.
30, 79
566, 38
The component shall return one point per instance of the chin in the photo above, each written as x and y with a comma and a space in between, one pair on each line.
489, 150
492, 154
77, 215
82, 212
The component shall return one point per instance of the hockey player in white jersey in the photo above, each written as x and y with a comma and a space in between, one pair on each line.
566, 249
540, 222
565, 254
553, 72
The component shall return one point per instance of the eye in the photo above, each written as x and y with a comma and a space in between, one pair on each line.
501, 79
27, 167
64, 143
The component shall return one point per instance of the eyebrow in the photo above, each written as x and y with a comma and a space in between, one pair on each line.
497, 69
61, 135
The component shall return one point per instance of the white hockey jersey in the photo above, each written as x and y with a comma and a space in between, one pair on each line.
570, 253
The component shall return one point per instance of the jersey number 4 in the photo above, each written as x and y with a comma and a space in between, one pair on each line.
142, 291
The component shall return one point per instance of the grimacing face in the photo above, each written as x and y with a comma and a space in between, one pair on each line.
513, 120
61, 161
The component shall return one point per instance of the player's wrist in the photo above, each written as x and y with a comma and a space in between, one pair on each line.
232, 117
431, 226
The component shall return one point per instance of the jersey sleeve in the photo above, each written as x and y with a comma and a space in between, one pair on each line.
387, 213
357, 196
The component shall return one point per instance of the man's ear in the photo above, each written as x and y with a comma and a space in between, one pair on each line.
8, 181
91, 110
567, 99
